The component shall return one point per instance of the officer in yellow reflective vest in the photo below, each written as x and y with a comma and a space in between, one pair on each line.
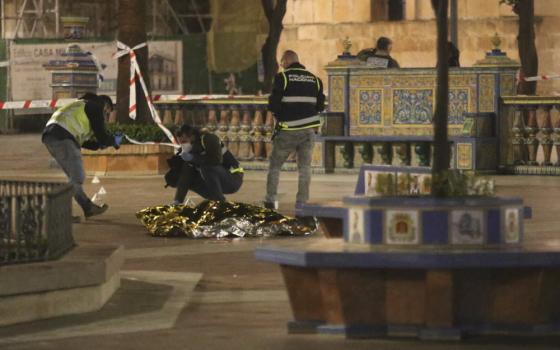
72, 127
296, 100
206, 167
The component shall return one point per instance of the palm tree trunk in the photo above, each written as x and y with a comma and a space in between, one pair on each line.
274, 15
441, 144
132, 31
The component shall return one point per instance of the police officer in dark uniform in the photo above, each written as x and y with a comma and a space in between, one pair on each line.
380, 56
296, 100
207, 167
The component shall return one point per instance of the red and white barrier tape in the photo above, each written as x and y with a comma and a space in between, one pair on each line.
542, 77
56, 103
30, 104
135, 72
134, 142
195, 97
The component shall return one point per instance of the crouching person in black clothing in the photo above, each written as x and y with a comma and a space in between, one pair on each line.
208, 168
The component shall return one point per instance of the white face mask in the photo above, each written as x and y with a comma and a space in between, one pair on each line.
186, 147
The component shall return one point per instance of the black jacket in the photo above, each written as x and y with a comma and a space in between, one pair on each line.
94, 112
228, 161
382, 61
207, 150
297, 98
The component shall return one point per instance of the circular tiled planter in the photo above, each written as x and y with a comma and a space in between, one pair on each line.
470, 221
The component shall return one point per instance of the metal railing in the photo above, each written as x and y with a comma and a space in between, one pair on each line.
35, 221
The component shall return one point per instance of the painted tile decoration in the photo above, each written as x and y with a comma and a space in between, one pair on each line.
402, 227
507, 84
486, 93
336, 97
458, 105
420, 184
370, 107
356, 232
463, 97
511, 225
413, 106
413, 184
317, 155
464, 156
370, 181
467, 227
404, 183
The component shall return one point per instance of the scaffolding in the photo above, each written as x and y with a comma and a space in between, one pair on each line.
30, 18
174, 17
41, 18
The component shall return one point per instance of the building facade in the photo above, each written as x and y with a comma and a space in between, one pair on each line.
316, 30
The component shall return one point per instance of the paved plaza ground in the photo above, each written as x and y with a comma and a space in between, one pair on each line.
213, 294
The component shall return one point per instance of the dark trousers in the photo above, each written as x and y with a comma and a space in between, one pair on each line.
210, 182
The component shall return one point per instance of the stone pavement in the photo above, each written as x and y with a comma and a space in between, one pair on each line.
212, 294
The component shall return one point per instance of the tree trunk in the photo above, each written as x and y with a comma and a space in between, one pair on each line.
526, 44
132, 31
441, 144
274, 15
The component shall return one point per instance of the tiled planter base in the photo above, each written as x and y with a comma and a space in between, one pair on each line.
138, 159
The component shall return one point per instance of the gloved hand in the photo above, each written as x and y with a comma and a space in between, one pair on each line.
118, 140
187, 157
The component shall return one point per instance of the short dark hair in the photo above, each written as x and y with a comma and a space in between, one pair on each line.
103, 99
291, 54
383, 43
187, 130
89, 96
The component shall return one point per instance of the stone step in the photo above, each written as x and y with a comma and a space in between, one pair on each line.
81, 281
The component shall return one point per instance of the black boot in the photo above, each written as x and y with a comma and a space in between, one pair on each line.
96, 210
269, 205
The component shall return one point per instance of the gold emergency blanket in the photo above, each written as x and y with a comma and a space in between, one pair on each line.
219, 220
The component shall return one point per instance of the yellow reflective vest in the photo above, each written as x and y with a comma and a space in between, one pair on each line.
73, 118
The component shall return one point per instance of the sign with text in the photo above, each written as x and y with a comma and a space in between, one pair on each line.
29, 80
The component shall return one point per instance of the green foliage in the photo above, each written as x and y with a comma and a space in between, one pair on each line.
140, 132
460, 184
